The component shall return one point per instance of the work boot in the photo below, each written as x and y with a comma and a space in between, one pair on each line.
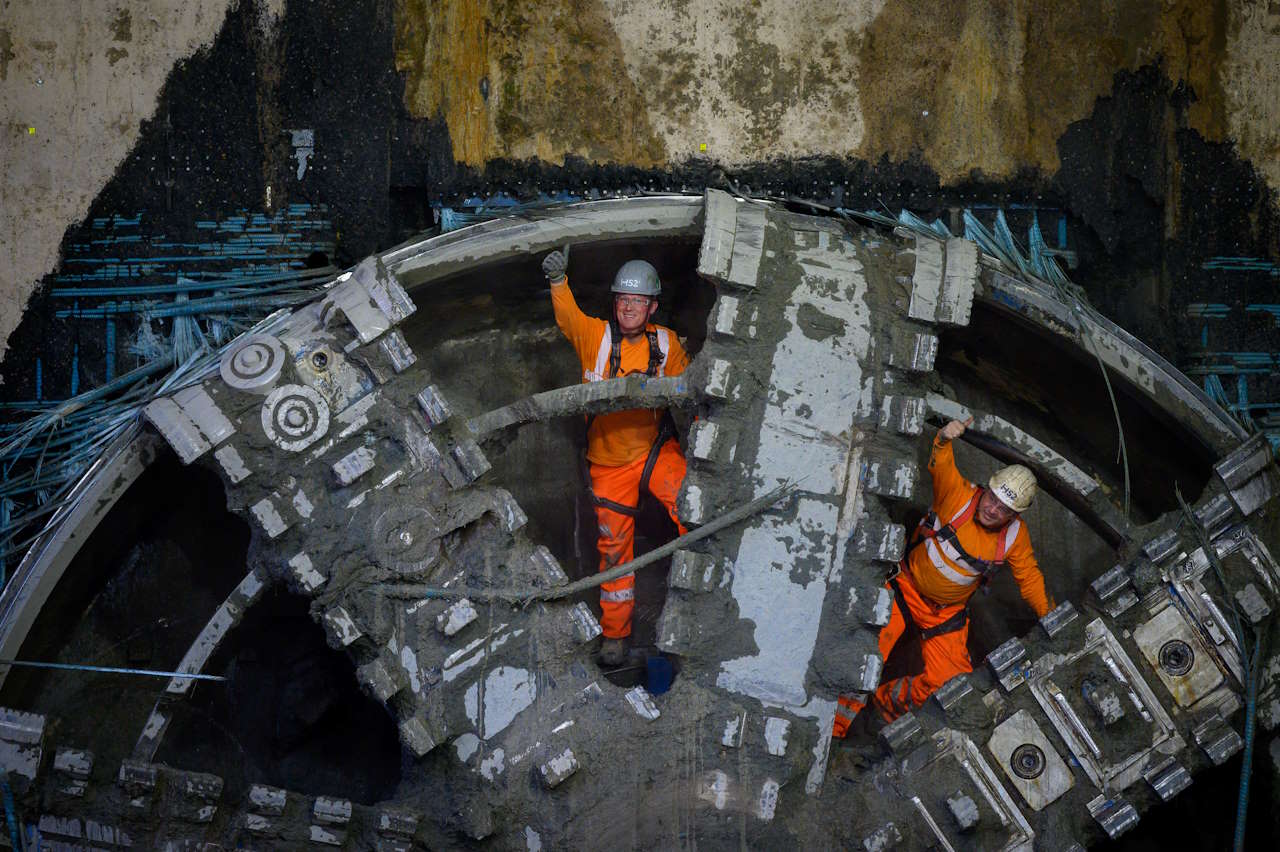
865, 726
613, 652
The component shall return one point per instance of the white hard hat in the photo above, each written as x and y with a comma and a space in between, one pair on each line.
1014, 486
638, 277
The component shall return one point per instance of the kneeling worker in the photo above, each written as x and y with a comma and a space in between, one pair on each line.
968, 534
627, 450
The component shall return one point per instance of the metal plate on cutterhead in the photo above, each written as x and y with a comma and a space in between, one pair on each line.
959, 797
253, 363
1103, 709
405, 539
1029, 760
1178, 656
294, 417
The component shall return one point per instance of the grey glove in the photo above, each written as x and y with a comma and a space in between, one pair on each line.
554, 266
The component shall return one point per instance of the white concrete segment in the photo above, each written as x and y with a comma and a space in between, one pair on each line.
716, 251
818, 387
961, 272
818, 381
926, 281
779, 583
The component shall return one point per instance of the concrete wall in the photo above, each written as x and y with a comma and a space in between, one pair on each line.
964, 89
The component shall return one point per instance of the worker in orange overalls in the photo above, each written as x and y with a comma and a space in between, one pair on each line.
969, 533
627, 450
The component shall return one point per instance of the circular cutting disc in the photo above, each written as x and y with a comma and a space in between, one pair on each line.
254, 363
1027, 761
1176, 657
294, 417
406, 539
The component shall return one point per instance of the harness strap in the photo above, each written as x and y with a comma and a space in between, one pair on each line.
615, 348
930, 529
656, 355
951, 625
901, 600
666, 429
613, 505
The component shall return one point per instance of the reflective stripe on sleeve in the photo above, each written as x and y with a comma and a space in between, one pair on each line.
602, 356
620, 596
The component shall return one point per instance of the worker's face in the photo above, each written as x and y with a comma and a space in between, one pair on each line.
992, 514
633, 312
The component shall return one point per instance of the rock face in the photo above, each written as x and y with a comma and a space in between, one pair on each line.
370, 495
956, 90
968, 86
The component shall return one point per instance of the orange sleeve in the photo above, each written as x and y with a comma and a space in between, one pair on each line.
1026, 572
948, 484
583, 332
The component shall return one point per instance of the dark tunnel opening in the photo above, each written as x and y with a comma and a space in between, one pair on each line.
1001, 364
289, 715
137, 594
115, 605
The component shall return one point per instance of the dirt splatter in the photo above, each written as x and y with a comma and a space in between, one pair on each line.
817, 325
512, 84
115, 54
122, 26
742, 82
6, 52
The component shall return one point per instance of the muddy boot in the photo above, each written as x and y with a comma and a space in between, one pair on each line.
865, 726
861, 748
613, 652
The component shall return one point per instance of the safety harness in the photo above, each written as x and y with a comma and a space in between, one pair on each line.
656, 354
939, 538
666, 427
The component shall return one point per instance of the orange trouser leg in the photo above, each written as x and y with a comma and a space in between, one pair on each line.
849, 707
616, 543
945, 656
666, 478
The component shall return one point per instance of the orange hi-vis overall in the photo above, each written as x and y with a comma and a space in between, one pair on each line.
619, 443
947, 563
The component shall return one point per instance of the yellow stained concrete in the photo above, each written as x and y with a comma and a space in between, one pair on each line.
983, 86
979, 85
514, 79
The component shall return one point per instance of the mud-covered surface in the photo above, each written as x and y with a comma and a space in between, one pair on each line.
382, 514
290, 714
